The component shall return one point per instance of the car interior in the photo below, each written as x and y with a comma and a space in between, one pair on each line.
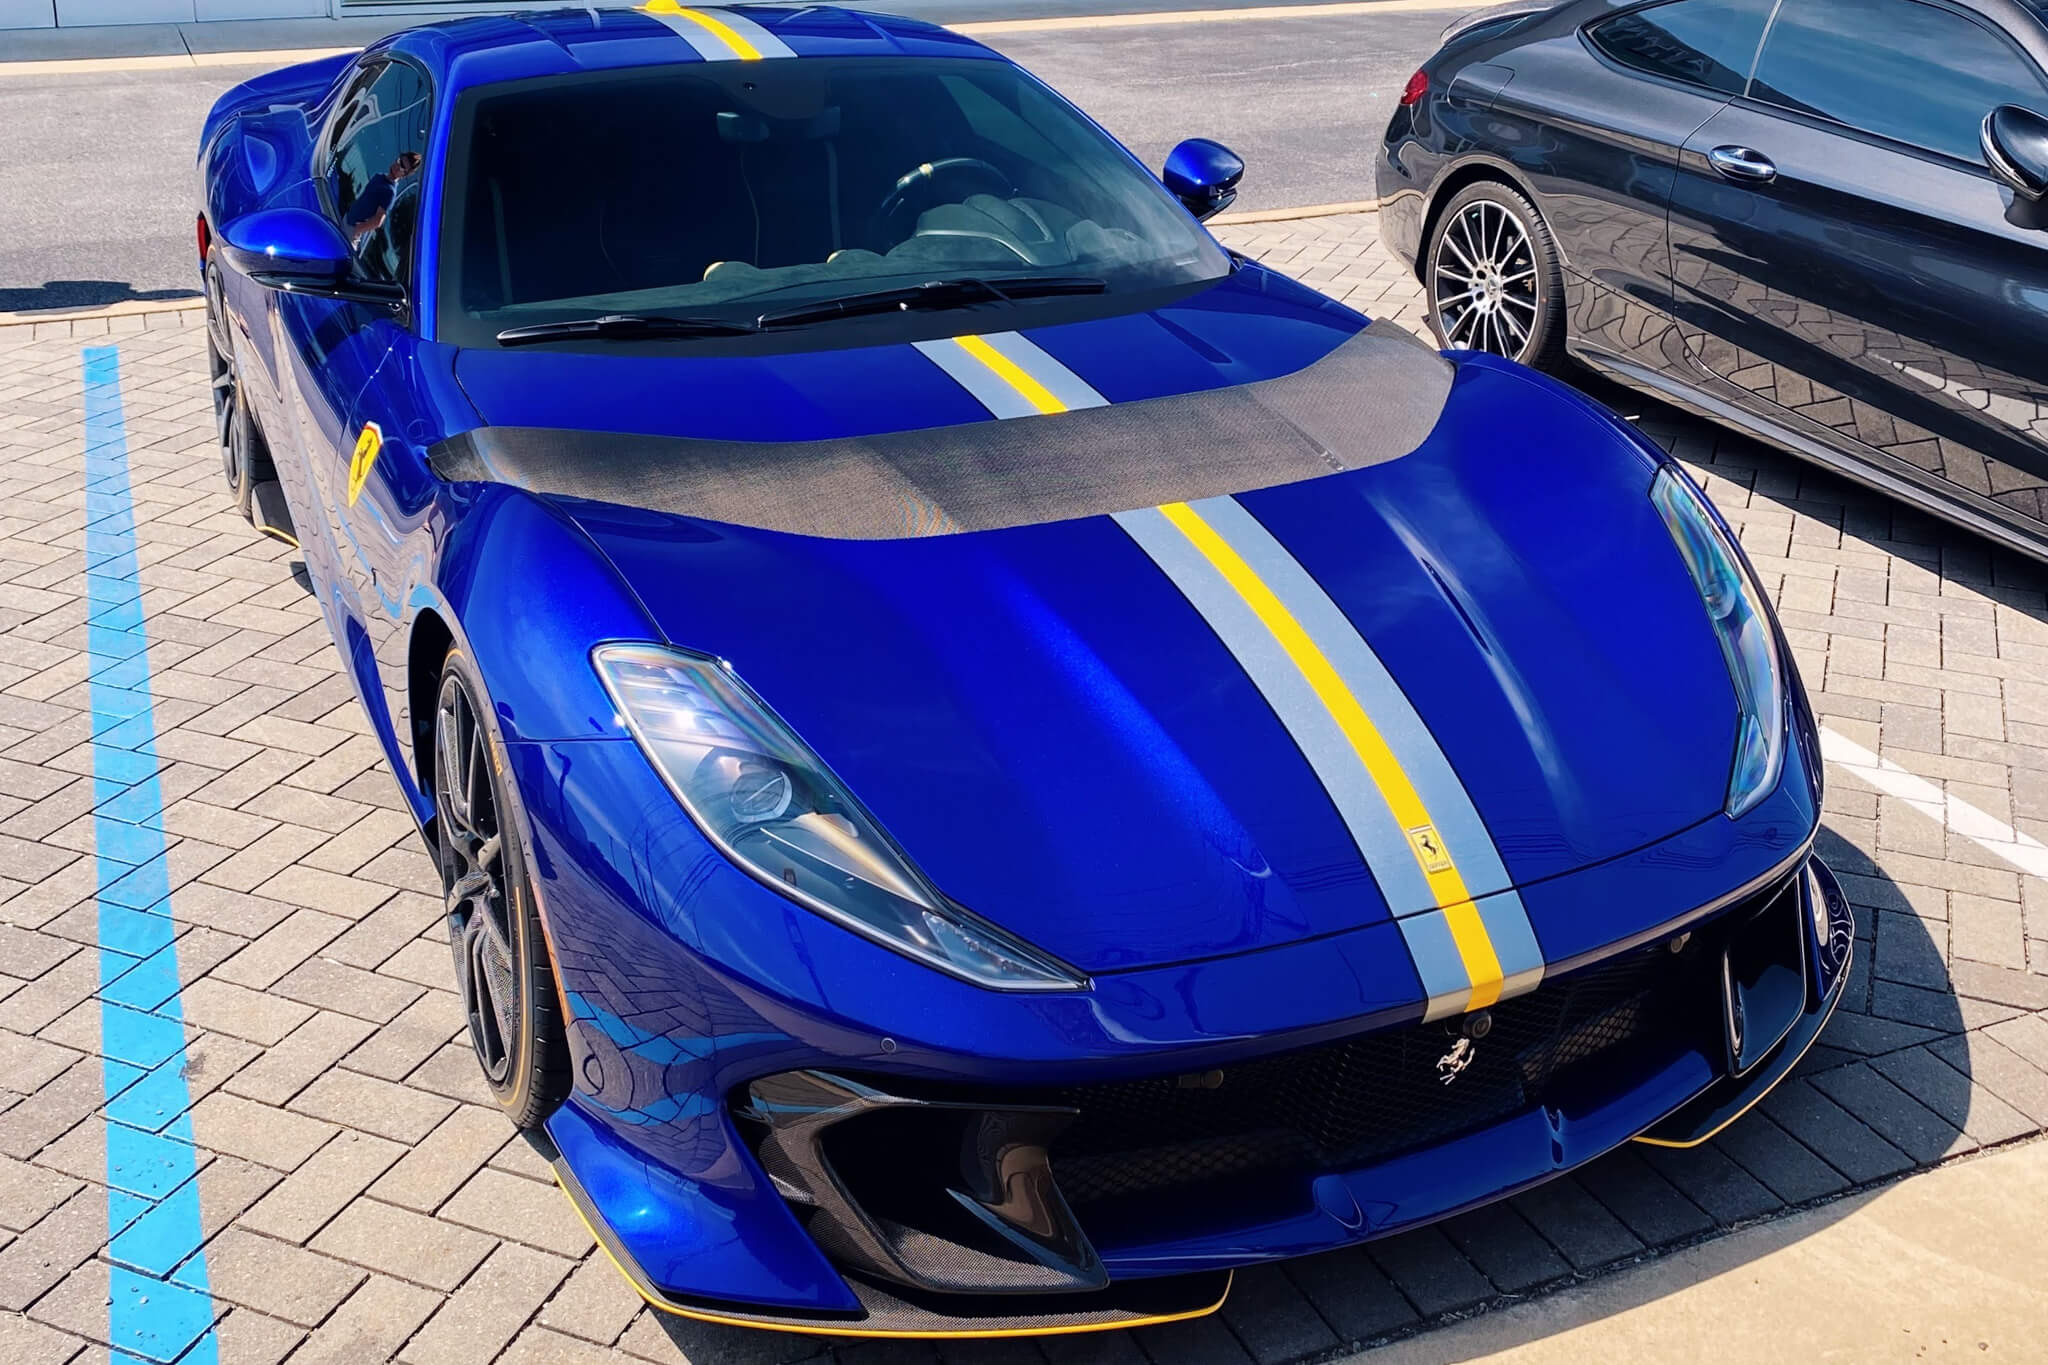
694, 189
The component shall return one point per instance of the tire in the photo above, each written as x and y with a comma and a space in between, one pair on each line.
1490, 270
242, 453
502, 968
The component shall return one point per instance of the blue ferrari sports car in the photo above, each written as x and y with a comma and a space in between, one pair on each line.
992, 760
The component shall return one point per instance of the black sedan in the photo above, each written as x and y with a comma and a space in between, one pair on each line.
1819, 221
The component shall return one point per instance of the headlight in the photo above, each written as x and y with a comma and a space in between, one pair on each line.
1743, 625
773, 807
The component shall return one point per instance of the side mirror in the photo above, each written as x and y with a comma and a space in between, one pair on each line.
300, 252
1203, 175
2016, 148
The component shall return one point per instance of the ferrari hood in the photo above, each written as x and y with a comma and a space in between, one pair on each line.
1328, 653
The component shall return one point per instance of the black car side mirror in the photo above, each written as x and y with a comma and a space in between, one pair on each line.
1203, 175
300, 252
2015, 144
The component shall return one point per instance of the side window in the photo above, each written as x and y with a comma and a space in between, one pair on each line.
1900, 69
1701, 42
373, 170
348, 111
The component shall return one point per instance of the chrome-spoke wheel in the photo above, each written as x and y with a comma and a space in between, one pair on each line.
474, 878
1483, 281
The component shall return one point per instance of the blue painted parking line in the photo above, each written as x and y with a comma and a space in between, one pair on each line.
160, 1307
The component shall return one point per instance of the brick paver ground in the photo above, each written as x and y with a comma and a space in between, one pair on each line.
360, 1197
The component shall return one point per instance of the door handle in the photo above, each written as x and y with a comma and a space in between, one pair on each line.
1741, 163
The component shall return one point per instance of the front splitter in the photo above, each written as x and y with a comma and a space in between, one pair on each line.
894, 1312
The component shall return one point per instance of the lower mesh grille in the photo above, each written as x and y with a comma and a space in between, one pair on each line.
1368, 1098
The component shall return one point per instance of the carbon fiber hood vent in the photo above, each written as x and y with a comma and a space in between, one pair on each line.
1374, 398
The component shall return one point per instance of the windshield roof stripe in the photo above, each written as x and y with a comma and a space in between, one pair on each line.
762, 41
718, 35
706, 43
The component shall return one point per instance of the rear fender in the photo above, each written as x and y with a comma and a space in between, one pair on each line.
303, 85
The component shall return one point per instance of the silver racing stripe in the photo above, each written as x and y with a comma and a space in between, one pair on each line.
718, 35
1316, 733
1450, 806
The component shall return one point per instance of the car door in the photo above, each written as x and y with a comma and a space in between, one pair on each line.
1595, 118
380, 488
368, 172
1845, 263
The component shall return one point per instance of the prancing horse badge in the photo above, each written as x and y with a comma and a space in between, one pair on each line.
1429, 849
1456, 1060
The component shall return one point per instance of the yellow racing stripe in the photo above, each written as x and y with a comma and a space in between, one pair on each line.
741, 48
1475, 946
1007, 370
1475, 950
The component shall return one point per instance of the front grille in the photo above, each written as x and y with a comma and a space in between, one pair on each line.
1363, 1099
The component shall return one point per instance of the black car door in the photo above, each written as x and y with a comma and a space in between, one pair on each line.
1595, 120
1846, 265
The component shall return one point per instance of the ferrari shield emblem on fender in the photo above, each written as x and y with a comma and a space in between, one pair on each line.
367, 446
1453, 1063
1429, 848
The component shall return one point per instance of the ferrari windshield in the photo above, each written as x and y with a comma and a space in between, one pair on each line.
723, 191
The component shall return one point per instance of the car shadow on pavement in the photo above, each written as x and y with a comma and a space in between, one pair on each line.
84, 294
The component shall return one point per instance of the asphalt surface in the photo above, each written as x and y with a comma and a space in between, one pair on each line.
97, 190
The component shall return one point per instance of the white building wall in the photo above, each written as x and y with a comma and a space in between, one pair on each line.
79, 13
26, 14
18, 14
260, 9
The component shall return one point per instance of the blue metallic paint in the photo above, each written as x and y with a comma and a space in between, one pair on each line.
1035, 713
294, 242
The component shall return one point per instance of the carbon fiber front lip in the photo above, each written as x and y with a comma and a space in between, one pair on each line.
1135, 1303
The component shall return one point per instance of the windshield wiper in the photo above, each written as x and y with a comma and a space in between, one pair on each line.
624, 327
948, 293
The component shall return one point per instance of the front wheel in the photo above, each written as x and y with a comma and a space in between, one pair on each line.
502, 968
1491, 272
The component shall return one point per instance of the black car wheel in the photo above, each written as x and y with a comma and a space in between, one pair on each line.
231, 424
1492, 276
502, 967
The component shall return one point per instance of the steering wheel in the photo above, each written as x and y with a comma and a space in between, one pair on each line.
919, 181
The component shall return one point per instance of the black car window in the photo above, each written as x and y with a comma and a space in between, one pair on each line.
373, 173
1700, 42
727, 189
348, 111
1900, 69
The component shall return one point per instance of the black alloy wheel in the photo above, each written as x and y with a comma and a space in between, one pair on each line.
232, 427
1492, 276
502, 968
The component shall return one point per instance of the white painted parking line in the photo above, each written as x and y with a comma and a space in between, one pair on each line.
1987, 831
